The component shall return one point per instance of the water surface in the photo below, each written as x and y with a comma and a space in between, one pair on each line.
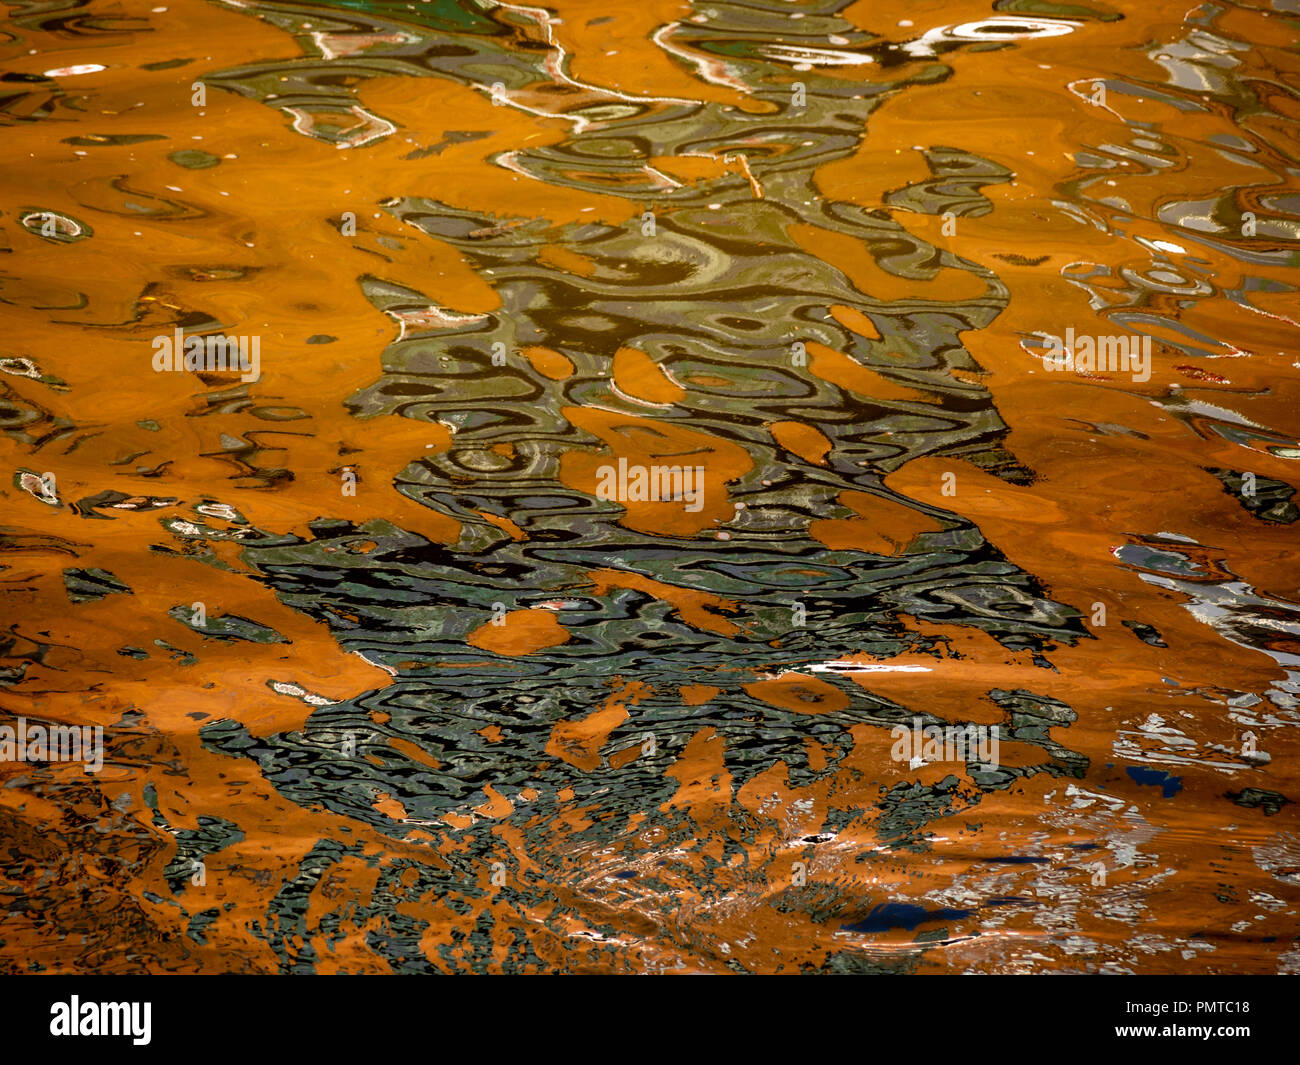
387, 686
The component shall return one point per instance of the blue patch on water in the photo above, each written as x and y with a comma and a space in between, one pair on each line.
901, 915
1169, 785
1016, 859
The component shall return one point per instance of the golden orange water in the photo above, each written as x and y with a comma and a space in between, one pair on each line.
452, 711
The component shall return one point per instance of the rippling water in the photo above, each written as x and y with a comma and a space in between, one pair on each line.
387, 682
